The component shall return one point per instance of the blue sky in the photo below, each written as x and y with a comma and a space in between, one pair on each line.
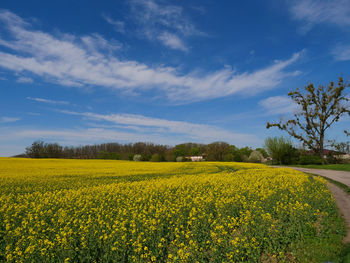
84, 72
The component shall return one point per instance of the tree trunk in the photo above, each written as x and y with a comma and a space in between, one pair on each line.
321, 145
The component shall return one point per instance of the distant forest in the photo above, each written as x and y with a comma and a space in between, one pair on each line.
216, 151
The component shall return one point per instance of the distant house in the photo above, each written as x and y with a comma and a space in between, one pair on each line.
345, 156
327, 152
267, 159
195, 158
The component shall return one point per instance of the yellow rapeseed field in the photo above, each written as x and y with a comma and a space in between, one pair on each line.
118, 211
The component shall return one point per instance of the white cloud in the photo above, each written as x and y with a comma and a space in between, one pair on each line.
155, 19
341, 52
152, 14
95, 43
8, 119
172, 41
191, 131
75, 61
24, 80
278, 105
48, 101
119, 26
313, 12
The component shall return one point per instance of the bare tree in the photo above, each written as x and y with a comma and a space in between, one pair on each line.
319, 109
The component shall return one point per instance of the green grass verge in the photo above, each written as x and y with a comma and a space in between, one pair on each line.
344, 253
337, 167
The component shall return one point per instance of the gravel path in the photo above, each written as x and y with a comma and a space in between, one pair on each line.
342, 198
340, 176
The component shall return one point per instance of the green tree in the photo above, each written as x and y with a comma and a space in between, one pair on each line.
157, 158
217, 150
35, 150
319, 109
280, 149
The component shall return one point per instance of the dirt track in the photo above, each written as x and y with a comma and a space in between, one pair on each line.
342, 198
340, 176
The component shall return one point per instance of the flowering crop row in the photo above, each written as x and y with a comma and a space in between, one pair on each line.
115, 211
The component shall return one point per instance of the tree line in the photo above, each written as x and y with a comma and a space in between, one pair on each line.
216, 151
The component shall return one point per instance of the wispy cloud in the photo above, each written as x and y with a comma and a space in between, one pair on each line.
8, 119
48, 101
190, 131
277, 105
172, 41
118, 25
156, 19
341, 52
68, 60
24, 80
313, 12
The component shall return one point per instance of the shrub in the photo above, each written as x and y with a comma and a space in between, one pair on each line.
256, 157
108, 156
310, 159
281, 150
263, 152
180, 159
137, 158
156, 158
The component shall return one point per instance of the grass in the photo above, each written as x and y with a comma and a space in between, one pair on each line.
337, 167
344, 255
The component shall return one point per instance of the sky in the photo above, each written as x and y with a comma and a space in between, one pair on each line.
169, 72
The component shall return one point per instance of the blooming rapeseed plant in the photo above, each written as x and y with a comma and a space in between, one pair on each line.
118, 211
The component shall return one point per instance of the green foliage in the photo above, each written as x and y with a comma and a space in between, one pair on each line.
255, 157
157, 158
39, 149
180, 159
319, 109
281, 150
242, 154
310, 159
108, 156
217, 150
228, 157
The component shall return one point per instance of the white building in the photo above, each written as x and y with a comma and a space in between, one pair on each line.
196, 158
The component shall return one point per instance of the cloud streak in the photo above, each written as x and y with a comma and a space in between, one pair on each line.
313, 12
24, 80
341, 52
165, 23
118, 25
8, 119
56, 102
87, 61
277, 105
163, 127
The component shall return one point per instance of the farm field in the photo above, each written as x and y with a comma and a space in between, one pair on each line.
55, 210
